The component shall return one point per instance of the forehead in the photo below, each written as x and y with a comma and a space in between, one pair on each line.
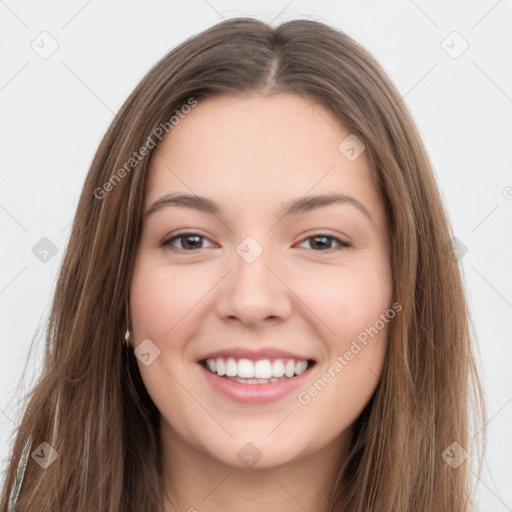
258, 150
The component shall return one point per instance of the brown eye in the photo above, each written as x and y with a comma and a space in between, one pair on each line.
189, 242
324, 243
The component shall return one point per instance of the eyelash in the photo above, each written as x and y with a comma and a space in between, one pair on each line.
167, 242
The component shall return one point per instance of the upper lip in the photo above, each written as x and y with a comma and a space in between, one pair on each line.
253, 354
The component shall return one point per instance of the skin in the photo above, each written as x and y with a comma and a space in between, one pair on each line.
307, 295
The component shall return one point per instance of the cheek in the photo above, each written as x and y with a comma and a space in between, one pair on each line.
349, 299
359, 311
160, 297
355, 304
161, 306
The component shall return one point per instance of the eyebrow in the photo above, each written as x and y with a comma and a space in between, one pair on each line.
293, 207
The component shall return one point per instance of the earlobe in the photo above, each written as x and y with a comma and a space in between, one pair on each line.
127, 337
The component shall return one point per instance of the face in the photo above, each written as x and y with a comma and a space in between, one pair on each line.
244, 282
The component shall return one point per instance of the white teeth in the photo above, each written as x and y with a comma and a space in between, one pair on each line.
256, 372
300, 367
263, 369
221, 369
255, 381
289, 368
245, 368
231, 367
278, 368
212, 365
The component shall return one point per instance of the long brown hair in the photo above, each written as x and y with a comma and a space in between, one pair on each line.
90, 404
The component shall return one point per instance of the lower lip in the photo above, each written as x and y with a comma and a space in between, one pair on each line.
254, 393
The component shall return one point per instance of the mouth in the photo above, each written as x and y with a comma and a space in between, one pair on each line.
257, 372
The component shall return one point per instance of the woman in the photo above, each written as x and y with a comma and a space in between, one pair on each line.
259, 307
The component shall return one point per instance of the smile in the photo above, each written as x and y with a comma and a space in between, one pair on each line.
259, 381
262, 371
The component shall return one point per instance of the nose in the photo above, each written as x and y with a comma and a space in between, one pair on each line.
254, 293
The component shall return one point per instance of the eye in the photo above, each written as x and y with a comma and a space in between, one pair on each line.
324, 241
190, 241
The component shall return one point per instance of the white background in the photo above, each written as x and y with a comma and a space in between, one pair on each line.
54, 112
